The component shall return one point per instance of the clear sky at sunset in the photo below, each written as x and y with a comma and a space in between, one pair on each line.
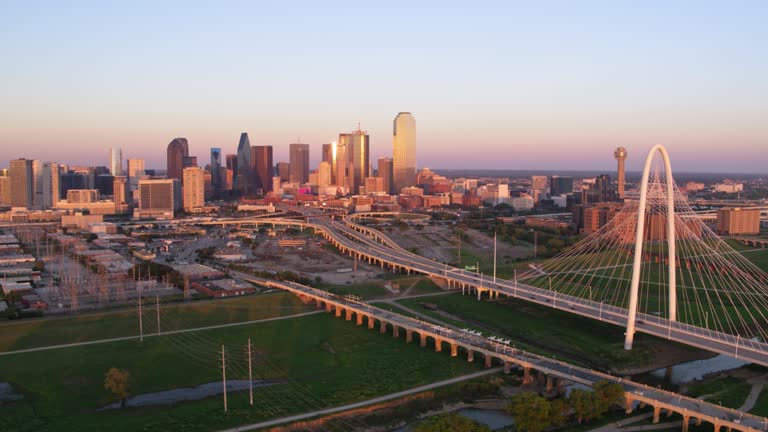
513, 85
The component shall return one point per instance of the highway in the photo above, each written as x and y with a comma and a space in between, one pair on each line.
494, 350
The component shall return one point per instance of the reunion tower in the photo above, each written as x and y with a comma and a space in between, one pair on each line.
621, 155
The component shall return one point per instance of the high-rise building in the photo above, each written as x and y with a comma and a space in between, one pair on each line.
50, 185
621, 155
327, 153
188, 162
194, 188
82, 196
324, 174
120, 194
404, 151
104, 183
5, 187
177, 150
538, 188
385, 172
216, 177
135, 172
604, 187
159, 198
37, 185
262, 167
560, 185
115, 161
338, 164
22, 183
284, 171
738, 220
358, 160
231, 171
299, 157
243, 164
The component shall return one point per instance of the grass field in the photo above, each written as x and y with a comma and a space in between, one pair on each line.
374, 289
726, 391
329, 362
573, 338
22, 334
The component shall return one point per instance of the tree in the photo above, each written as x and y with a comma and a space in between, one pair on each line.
39, 266
450, 423
116, 381
559, 412
531, 412
583, 404
607, 394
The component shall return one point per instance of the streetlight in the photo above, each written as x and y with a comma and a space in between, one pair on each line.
600, 316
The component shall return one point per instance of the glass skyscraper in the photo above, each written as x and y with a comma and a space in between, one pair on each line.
404, 151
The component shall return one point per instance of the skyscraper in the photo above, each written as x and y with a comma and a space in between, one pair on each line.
50, 185
284, 171
327, 153
194, 188
5, 187
263, 170
178, 149
22, 183
216, 169
621, 155
135, 172
385, 171
538, 187
404, 151
560, 185
37, 185
243, 163
299, 157
324, 174
120, 194
115, 162
232, 164
358, 159
338, 167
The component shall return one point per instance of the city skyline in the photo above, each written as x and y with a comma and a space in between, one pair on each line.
493, 81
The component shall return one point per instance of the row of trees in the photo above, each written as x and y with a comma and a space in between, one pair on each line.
533, 413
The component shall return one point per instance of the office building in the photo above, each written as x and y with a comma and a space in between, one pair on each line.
22, 183
159, 198
194, 188
5, 188
82, 196
357, 144
621, 155
324, 174
121, 194
243, 164
327, 154
560, 185
216, 176
135, 172
339, 165
735, 220
115, 161
177, 150
385, 172
51, 187
374, 185
404, 151
538, 188
262, 168
284, 171
299, 159
189, 162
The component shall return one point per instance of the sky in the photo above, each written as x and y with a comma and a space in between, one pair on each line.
507, 85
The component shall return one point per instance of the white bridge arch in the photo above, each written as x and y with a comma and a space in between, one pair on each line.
640, 237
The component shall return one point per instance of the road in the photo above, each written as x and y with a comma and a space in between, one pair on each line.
342, 408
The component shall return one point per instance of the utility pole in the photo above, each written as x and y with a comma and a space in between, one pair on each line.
157, 307
494, 257
250, 375
141, 323
224, 377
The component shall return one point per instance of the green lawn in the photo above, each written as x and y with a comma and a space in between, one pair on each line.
727, 391
31, 333
761, 406
577, 339
326, 362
